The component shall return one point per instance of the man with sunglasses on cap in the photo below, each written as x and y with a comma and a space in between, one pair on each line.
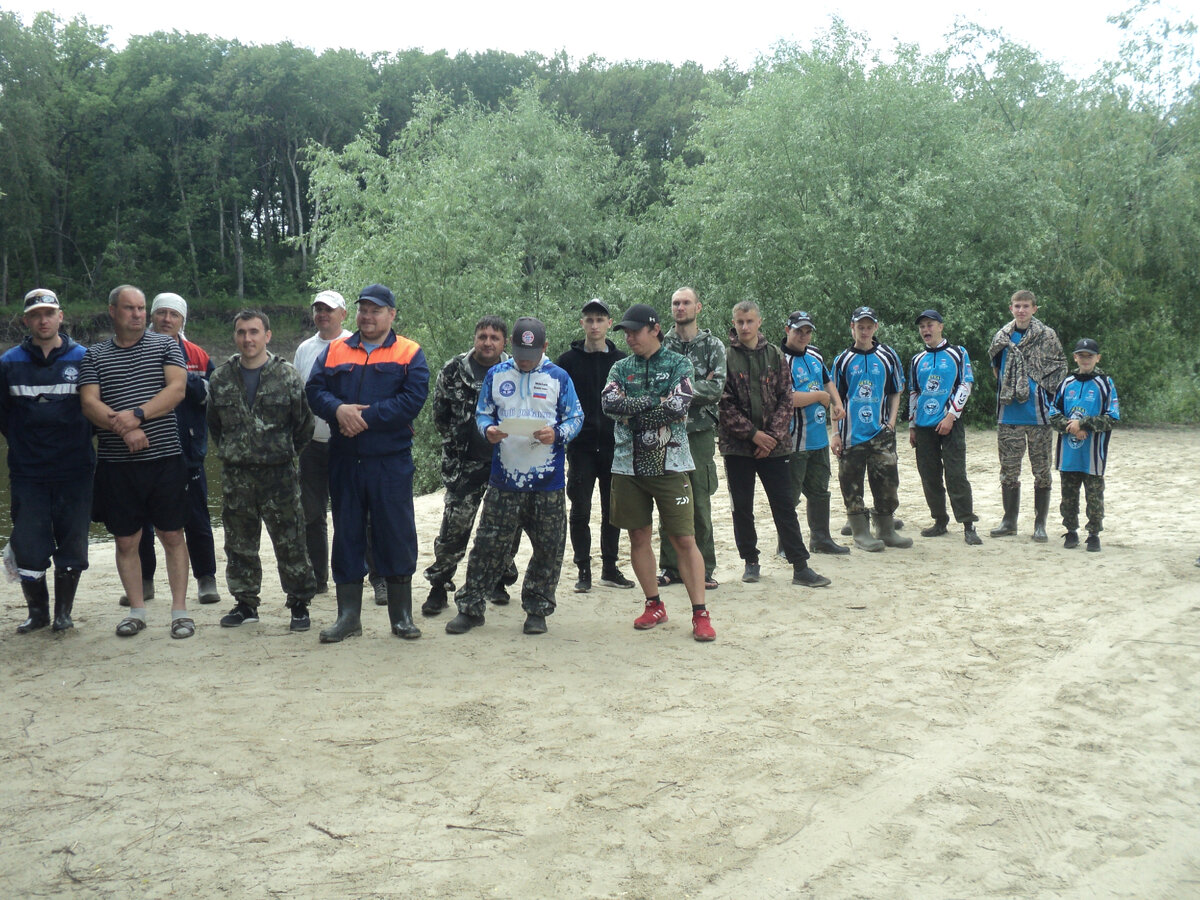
940, 381
370, 387
869, 378
50, 461
814, 403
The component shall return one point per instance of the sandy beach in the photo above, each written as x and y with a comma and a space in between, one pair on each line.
1011, 720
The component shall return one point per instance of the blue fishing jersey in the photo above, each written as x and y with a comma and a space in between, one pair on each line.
940, 381
1085, 397
807, 427
865, 379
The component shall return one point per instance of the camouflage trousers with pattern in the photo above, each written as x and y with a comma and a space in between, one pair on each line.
542, 515
874, 461
1069, 484
253, 496
458, 520
1013, 441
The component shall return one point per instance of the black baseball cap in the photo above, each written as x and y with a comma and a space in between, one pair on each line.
377, 294
637, 316
800, 317
929, 314
1087, 345
597, 304
864, 312
528, 339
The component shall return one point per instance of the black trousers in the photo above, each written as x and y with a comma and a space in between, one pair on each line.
776, 479
586, 468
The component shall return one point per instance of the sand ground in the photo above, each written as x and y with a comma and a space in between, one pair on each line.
1011, 720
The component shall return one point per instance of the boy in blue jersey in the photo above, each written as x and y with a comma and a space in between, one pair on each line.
1083, 412
940, 381
814, 402
529, 412
869, 377
1029, 365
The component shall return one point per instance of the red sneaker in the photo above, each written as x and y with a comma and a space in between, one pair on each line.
654, 614
702, 629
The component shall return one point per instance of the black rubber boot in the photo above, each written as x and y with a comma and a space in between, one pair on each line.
860, 525
885, 530
37, 598
1041, 506
819, 539
349, 620
1011, 498
438, 599
65, 583
399, 604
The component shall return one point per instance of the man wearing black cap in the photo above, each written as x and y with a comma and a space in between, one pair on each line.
370, 387
869, 377
940, 381
50, 461
590, 455
814, 402
528, 411
648, 393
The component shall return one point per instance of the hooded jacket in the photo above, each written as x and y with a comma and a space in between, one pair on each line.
757, 397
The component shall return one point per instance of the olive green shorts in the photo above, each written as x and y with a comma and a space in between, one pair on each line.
634, 498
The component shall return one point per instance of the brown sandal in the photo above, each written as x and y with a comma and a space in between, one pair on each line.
182, 627
130, 626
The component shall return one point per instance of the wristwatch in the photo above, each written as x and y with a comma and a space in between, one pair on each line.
139, 414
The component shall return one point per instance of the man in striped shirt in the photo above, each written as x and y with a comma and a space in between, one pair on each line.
129, 387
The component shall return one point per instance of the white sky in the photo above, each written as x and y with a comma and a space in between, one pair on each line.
1071, 32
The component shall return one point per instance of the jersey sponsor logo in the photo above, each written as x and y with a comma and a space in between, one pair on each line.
932, 406
71, 374
933, 384
866, 414
682, 501
507, 389
865, 390
819, 418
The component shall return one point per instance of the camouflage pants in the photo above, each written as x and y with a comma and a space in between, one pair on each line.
944, 456
540, 514
264, 495
875, 460
458, 520
704, 484
1069, 483
1013, 441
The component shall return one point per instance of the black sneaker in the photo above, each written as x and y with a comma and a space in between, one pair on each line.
806, 577
614, 578
971, 536
535, 624
300, 620
242, 614
437, 600
751, 573
462, 623
1071, 540
1093, 543
584, 584
937, 529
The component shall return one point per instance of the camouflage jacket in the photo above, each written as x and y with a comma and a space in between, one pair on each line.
273, 430
707, 354
649, 398
757, 397
466, 454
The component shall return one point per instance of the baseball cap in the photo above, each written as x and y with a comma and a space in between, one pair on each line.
1087, 345
929, 314
636, 317
41, 298
377, 294
800, 317
597, 304
332, 299
864, 312
528, 339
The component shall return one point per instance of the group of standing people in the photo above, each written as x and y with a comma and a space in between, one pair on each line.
522, 437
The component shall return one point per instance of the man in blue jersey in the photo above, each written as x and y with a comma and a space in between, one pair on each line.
529, 412
1029, 365
50, 461
869, 378
940, 381
814, 403
1083, 412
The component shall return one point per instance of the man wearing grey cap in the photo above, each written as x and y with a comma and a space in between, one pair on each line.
168, 315
50, 461
869, 377
329, 314
529, 412
371, 386
940, 381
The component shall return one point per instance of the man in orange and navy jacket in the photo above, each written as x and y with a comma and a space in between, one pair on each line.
370, 387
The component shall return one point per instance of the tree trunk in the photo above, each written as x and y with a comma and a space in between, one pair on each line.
293, 152
237, 251
187, 224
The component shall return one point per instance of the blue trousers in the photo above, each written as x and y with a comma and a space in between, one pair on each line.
381, 488
50, 519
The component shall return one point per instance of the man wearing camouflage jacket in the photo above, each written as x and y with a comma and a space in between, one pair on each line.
259, 422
